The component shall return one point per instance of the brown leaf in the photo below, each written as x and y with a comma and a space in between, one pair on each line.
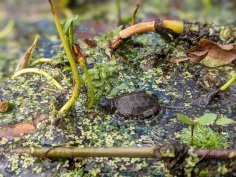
16, 130
212, 54
4, 105
24, 61
20, 129
197, 56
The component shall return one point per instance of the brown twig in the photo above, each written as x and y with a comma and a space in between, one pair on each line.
161, 152
217, 154
134, 29
68, 152
158, 25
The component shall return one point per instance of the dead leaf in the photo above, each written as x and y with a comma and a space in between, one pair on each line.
4, 105
20, 129
16, 130
24, 61
197, 56
212, 54
204, 100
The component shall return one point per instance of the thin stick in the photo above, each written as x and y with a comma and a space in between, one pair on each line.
216, 154
67, 152
132, 152
134, 14
134, 29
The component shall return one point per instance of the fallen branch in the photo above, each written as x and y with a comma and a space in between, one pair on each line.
69, 152
162, 152
194, 29
153, 26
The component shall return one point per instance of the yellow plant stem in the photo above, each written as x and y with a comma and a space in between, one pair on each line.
76, 89
174, 25
227, 84
38, 71
8, 29
43, 60
89, 80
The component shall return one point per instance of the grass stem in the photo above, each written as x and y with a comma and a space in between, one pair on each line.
76, 89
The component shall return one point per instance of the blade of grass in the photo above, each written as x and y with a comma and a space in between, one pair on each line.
38, 71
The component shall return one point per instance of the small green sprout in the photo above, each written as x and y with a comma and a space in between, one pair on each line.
201, 136
68, 28
204, 120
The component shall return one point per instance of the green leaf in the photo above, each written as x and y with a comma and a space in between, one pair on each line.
225, 121
185, 119
207, 119
68, 23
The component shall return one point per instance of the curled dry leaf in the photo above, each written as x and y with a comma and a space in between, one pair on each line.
16, 130
20, 129
24, 61
4, 105
212, 54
